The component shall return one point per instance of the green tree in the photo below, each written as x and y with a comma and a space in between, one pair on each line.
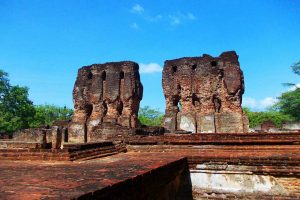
47, 114
289, 104
16, 110
150, 117
296, 69
257, 118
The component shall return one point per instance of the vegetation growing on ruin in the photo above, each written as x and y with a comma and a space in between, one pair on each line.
18, 112
150, 116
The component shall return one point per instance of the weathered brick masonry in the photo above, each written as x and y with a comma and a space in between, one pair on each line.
106, 97
204, 94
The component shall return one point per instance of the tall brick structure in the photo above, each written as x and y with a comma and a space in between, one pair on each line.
204, 94
105, 95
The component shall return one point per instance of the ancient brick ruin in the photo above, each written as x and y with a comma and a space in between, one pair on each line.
105, 95
221, 160
204, 94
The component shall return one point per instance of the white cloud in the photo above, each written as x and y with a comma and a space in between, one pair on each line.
180, 17
294, 87
135, 26
267, 102
137, 8
259, 104
191, 16
153, 18
174, 20
249, 102
150, 68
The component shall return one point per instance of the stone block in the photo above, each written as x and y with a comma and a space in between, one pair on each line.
206, 123
57, 138
186, 122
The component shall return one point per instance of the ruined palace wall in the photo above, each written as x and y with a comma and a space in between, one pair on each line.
204, 94
107, 93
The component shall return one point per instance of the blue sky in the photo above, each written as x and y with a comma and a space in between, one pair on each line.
43, 43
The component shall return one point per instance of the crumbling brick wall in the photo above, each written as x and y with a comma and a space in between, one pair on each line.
204, 94
107, 93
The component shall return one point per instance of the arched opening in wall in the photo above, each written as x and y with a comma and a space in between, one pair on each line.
221, 73
195, 100
174, 69
214, 63
88, 110
66, 135
176, 103
120, 107
121, 75
103, 76
217, 103
194, 67
85, 132
104, 108
90, 75
178, 89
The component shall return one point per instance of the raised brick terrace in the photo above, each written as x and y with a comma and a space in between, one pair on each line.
12, 150
150, 167
279, 160
122, 176
217, 139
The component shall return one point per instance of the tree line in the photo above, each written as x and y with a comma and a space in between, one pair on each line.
18, 112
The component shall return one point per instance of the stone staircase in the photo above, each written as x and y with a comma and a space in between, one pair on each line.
13, 150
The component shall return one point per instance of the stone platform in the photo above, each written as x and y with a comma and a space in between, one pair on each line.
287, 138
14, 150
215, 166
238, 171
122, 176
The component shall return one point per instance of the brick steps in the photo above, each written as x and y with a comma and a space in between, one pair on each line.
70, 153
96, 153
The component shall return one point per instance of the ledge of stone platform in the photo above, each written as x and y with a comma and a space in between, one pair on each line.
70, 152
291, 138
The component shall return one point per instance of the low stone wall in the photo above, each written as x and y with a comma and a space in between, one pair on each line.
215, 139
235, 182
279, 160
10, 144
5, 136
237, 171
71, 152
41, 135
